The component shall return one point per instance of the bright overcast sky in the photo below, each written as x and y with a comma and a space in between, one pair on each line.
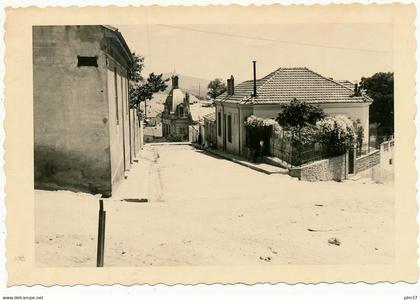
341, 51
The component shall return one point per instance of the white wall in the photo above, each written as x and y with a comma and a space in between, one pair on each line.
353, 110
231, 110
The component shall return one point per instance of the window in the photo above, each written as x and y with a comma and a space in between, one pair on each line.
229, 128
116, 96
181, 111
87, 61
219, 123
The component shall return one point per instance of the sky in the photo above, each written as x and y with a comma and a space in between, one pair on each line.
341, 51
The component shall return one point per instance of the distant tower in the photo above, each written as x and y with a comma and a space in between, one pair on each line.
175, 81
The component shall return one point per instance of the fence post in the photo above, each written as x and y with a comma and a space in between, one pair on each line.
101, 235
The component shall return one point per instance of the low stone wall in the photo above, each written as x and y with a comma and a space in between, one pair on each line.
367, 161
334, 168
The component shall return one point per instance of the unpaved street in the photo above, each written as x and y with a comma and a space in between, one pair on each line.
204, 210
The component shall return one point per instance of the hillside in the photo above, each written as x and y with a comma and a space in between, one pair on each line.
193, 85
155, 106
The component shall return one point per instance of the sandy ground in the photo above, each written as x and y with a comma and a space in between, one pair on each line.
204, 210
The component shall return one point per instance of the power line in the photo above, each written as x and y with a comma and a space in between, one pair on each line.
274, 40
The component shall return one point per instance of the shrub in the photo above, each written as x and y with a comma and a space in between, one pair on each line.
299, 114
336, 133
253, 121
359, 135
302, 136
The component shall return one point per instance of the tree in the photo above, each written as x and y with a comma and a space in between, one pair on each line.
380, 87
215, 88
299, 114
135, 79
141, 90
144, 91
135, 68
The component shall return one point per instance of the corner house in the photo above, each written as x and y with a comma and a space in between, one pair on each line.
264, 97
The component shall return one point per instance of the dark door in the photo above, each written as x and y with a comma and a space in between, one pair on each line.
351, 161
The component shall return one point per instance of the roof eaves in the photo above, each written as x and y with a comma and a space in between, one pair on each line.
122, 41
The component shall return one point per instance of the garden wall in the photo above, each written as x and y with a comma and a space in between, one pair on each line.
367, 161
334, 168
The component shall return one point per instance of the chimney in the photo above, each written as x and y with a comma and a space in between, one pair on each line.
175, 81
228, 87
255, 78
232, 85
356, 89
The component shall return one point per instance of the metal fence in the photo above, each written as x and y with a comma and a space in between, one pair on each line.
362, 150
295, 154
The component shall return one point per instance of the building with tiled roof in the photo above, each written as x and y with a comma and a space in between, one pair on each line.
264, 98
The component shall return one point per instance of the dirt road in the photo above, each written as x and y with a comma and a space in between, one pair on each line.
204, 210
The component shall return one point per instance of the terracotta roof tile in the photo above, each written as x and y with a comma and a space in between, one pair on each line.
210, 117
285, 84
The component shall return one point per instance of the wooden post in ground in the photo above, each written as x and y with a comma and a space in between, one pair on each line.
101, 235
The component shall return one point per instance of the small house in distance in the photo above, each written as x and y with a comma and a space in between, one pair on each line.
264, 98
176, 115
85, 135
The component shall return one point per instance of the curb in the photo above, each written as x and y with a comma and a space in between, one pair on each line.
245, 164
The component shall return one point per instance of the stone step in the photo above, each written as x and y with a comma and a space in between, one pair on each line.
275, 161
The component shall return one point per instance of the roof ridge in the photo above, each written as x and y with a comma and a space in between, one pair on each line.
329, 79
342, 85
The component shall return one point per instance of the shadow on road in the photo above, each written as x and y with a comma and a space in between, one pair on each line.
204, 152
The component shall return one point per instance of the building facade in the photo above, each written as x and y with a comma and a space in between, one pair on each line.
264, 98
210, 130
176, 115
85, 135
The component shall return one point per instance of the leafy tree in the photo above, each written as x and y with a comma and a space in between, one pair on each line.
134, 70
299, 114
135, 80
215, 88
141, 90
380, 87
144, 91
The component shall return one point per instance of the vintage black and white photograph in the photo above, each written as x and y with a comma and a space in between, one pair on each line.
210, 145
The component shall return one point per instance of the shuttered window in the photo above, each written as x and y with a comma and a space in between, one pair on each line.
229, 128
